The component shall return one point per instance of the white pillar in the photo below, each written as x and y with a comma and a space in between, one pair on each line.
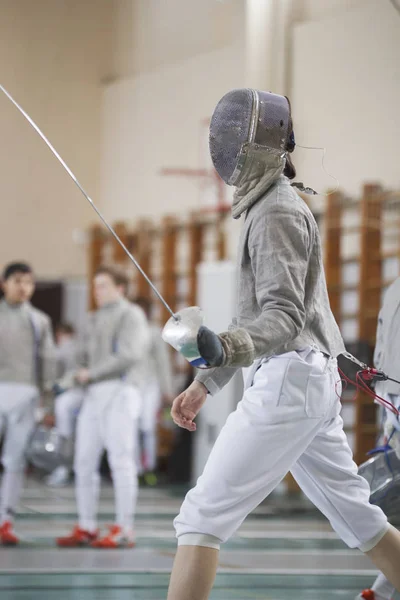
268, 37
260, 16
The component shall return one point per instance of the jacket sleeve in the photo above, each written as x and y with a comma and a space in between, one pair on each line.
48, 357
133, 340
279, 248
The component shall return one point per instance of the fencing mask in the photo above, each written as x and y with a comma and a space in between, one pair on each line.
46, 449
243, 119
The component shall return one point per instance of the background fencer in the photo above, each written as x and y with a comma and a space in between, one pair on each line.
288, 419
108, 379
387, 359
66, 348
27, 368
157, 390
66, 406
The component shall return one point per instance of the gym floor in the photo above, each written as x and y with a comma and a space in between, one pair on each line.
284, 550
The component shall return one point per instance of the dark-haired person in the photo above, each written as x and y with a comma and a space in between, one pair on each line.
107, 381
66, 406
289, 417
27, 368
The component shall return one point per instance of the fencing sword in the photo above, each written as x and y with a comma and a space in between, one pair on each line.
92, 204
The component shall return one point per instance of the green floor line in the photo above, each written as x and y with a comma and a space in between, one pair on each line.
238, 544
55, 581
48, 516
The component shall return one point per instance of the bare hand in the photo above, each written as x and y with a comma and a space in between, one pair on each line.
188, 404
82, 376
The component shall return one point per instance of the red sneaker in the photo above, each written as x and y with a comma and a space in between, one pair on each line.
115, 539
7, 536
366, 595
78, 537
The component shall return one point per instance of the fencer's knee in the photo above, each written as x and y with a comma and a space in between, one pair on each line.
85, 467
121, 463
14, 466
370, 544
14, 463
199, 539
193, 528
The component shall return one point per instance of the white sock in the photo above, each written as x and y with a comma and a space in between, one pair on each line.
125, 491
383, 589
87, 491
11, 488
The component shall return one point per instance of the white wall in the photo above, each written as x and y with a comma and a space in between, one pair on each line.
154, 121
150, 34
53, 54
345, 96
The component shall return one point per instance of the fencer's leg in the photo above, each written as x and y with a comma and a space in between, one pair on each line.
138, 452
11, 488
386, 556
383, 589
329, 477
20, 424
193, 573
150, 409
66, 407
121, 437
270, 422
88, 450
150, 448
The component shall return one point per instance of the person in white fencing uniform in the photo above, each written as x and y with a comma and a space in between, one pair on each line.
288, 419
27, 368
108, 380
66, 406
157, 390
387, 359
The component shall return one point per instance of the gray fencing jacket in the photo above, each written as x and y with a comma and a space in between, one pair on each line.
27, 349
282, 298
115, 345
387, 349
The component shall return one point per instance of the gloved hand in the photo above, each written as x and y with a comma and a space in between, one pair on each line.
228, 349
210, 347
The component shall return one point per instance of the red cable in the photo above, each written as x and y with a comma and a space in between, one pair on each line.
375, 396
361, 385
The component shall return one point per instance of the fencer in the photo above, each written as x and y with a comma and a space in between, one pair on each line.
27, 368
66, 348
66, 406
285, 333
387, 359
108, 379
157, 390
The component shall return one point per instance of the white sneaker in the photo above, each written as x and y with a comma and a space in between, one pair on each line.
59, 477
